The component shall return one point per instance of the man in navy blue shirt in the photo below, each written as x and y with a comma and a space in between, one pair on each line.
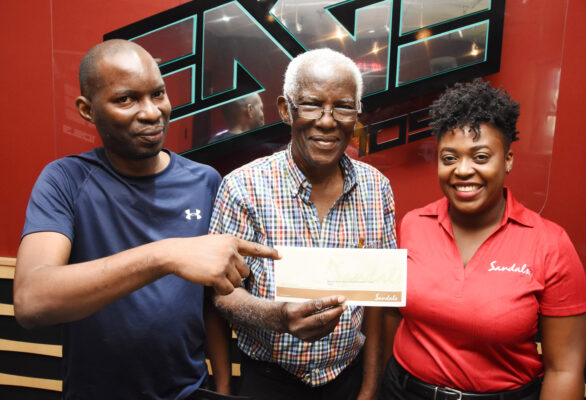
114, 245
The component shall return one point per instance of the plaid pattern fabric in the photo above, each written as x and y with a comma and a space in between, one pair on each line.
267, 201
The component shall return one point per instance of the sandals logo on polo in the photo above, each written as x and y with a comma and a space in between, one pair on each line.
523, 269
215, 52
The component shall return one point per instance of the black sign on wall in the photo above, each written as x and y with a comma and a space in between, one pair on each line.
213, 53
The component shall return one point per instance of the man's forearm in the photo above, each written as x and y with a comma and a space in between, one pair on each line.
244, 309
49, 294
309, 321
47, 291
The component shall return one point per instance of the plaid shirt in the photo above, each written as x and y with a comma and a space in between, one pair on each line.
267, 201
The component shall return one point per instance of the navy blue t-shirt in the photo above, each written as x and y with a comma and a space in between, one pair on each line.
149, 344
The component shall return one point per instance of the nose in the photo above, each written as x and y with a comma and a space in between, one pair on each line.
327, 118
149, 111
464, 167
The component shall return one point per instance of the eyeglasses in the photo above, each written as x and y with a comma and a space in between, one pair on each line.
316, 112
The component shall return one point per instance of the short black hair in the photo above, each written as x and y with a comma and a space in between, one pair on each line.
474, 103
88, 74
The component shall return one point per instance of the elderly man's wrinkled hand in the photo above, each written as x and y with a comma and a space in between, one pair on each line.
313, 319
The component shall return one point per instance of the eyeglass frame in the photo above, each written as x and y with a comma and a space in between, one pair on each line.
323, 110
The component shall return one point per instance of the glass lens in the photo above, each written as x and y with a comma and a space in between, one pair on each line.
310, 112
315, 112
345, 114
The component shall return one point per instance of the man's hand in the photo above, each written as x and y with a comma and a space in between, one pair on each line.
213, 260
313, 319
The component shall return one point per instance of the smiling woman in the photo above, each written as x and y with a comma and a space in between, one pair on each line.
498, 271
471, 171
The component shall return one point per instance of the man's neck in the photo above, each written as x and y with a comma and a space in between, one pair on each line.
323, 177
139, 167
326, 188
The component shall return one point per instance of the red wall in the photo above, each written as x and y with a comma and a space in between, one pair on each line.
26, 109
29, 124
567, 182
29, 29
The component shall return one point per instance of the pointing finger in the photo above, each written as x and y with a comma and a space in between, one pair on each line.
247, 248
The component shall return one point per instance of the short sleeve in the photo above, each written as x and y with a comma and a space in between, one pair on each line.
564, 293
233, 214
51, 204
231, 211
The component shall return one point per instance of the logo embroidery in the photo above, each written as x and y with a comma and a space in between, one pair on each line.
189, 214
512, 268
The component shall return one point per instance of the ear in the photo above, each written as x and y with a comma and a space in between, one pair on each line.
84, 108
283, 108
509, 161
250, 111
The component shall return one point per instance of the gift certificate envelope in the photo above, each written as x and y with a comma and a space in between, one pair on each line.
364, 276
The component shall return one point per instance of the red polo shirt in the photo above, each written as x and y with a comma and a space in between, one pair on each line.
473, 328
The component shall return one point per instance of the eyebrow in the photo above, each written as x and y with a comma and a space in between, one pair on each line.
315, 98
474, 148
127, 92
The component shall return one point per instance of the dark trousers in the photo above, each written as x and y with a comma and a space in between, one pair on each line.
395, 386
268, 381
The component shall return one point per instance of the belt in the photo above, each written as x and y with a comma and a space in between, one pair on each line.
267, 367
433, 392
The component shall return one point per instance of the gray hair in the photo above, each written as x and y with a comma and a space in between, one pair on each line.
323, 56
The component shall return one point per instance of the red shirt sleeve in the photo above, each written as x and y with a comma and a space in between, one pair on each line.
564, 293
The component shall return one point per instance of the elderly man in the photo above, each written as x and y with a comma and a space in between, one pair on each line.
95, 253
309, 195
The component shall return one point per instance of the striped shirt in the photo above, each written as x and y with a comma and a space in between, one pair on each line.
267, 201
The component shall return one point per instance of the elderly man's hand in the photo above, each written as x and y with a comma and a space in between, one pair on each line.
214, 260
313, 319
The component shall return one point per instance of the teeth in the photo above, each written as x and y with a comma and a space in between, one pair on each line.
469, 188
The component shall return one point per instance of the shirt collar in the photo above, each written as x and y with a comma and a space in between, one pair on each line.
514, 211
299, 182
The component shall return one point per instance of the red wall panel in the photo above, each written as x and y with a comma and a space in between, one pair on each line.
33, 32
567, 181
26, 109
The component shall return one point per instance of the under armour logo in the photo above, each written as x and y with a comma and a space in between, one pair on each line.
189, 214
